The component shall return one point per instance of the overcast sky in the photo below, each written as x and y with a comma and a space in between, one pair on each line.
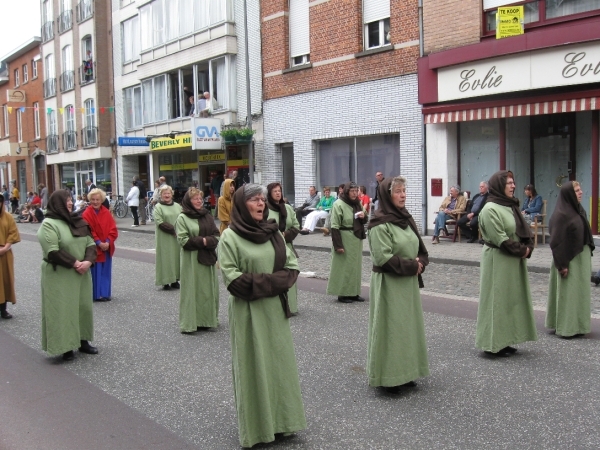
19, 22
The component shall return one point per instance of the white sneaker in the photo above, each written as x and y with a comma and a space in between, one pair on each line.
133, 226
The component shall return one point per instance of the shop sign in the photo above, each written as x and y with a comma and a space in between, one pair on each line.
560, 66
165, 143
214, 157
510, 22
237, 163
132, 141
15, 95
206, 133
185, 166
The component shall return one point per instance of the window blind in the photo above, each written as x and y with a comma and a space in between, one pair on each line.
375, 10
491, 4
299, 28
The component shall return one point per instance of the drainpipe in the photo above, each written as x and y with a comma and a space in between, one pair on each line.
423, 134
248, 104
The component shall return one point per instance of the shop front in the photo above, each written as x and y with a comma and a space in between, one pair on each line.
73, 176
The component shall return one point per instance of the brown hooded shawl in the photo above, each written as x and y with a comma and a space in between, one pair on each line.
290, 234
358, 224
207, 254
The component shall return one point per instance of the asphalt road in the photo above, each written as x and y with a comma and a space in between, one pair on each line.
152, 387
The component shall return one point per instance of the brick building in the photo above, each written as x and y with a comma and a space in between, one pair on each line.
528, 103
78, 92
22, 132
340, 94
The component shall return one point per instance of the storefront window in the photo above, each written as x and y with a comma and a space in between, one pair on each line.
180, 170
103, 180
478, 153
67, 176
561, 8
336, 162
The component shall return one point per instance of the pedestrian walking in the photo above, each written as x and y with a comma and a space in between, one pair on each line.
572, 244
198, 237
397, 349
258, 270
225, 204
505, 313
9, 235
105, 233
285, 217
68, 253
347, 233
167, 267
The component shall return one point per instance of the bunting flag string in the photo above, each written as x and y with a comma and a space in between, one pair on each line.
103, 109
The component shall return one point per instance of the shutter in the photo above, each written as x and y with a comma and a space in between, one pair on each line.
299, 28
491, 4
375, 10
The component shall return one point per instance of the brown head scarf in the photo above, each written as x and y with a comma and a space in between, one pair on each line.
244, 225
497, 183
357, 225
206, 224
569, 228
57, 209
277, 206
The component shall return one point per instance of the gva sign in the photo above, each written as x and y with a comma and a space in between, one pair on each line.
206, 134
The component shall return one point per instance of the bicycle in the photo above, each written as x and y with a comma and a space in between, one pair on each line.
149, 211
120, 208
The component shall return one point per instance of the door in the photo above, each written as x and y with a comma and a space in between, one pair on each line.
287, 181
22, 184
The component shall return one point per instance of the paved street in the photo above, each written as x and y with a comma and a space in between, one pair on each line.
163, 389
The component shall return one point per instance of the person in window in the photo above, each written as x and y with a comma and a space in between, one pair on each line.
188, 97
505, 314
532, 206
258, 270
88, 66
209, 106
572, 244
9, 235
452, 205
167, 267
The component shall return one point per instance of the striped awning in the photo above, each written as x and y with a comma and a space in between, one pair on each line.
528, 109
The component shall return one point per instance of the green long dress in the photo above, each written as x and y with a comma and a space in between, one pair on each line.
290, 222
346, 268
569, 299
167, 247
397, 350
505, 315
199, 294
67, 315
265, 375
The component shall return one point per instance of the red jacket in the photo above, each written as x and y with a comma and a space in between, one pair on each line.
103, 227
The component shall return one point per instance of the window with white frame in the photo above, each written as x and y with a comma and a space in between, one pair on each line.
69, 118
299, 32
130, 30
49, 67
17, 78
51, 122
90, 113
36, 119
222, 89
133, 107
65, 5
19, 126
376, 19
67, 58
6, 123
25, 74
47, 11
34, 72
154, 99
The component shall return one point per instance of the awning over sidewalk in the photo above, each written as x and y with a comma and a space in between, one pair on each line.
500, 112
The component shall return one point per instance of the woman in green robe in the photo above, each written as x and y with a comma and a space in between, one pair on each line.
198, 237
68, 251
285, 216
569, 294
347, 233
397, 350
258, 270
505, 313
167, 248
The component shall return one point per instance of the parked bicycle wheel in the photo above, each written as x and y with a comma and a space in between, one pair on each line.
121, 209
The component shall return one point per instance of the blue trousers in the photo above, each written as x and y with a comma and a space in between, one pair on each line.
440, 222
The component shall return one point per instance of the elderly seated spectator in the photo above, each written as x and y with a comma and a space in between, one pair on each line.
532, 206
469, 223
309, 204
321, 211
452, 205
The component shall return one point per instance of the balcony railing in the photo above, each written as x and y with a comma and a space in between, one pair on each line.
89, 137
47, 31
67, 81
85, 10
52, 143
86, 73
69, 141
50, 87
65, 21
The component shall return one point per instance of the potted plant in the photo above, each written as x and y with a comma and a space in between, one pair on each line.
245, 135
229, 135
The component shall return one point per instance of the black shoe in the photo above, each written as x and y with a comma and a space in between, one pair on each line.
470, 241
304, 232
175, 285
69, 356
595, 280
6, 315
87, 348
481, 241
509, 350
166, 287
345, 299
501, 353
396, 389
358, 298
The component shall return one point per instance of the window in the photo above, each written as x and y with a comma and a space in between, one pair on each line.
65, 19
34, 72
19, 126
133, 107
154, 99
126, 2
299, 32
376, 19
85, 10
87, 67
36, 119
17, 78
25, 74
561, 8
47, 21
6, 123
130, 30
49, 67
532, 12
67, 77
219, 84
89, 133
70, 135
52, 138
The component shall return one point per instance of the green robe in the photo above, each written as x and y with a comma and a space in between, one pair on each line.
265, 374
67, 315
346, 268
505, 313
167, 248
569, 299
396, 350
290, 222
199, 294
